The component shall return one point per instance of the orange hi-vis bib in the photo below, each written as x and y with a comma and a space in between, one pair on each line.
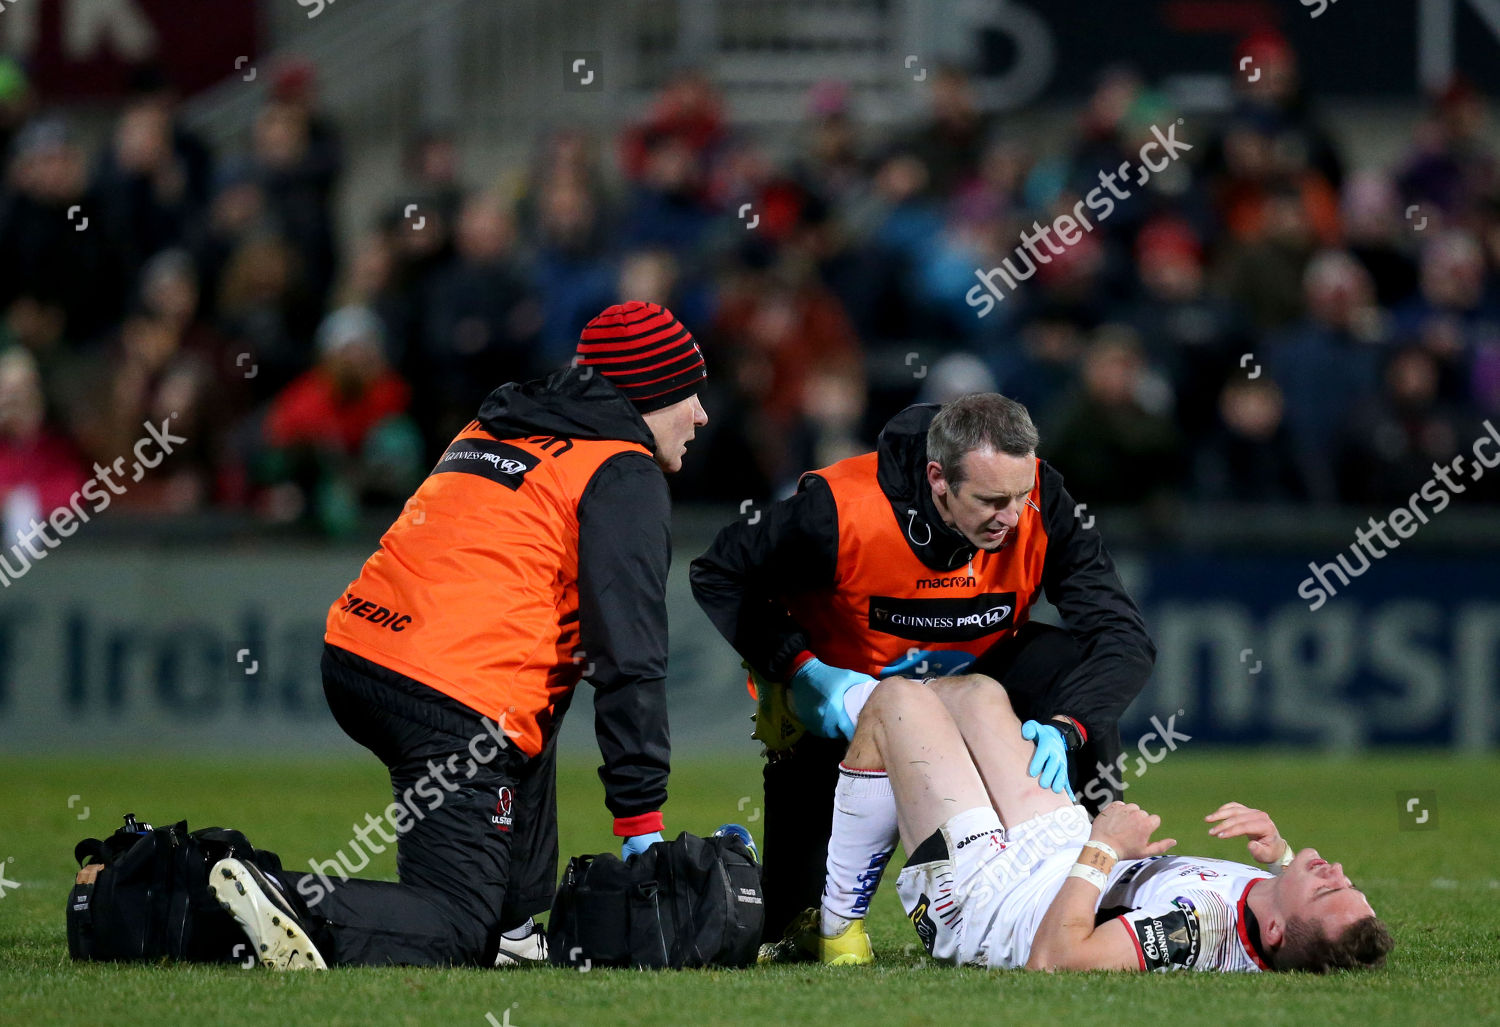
885, 602
474, 589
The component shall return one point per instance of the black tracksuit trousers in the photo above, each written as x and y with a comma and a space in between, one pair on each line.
476, 851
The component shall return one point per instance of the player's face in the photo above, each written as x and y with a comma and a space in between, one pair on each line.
1313, 888
986, 506
673, 428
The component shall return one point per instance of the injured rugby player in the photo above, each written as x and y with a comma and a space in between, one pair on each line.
1005, 873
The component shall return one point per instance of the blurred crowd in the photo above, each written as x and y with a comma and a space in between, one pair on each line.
1260, 322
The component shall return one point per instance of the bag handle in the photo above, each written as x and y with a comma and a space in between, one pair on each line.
90, 850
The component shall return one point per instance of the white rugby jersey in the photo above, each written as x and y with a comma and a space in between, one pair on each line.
1185, 913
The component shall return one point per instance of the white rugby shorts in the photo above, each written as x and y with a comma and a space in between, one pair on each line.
976, 892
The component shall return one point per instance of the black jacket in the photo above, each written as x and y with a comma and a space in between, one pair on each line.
624, 550
624, 547
793, 547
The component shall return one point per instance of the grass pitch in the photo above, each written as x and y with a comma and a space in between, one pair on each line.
1437, 884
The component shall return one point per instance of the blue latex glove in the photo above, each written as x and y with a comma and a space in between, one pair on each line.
1050, 764
929, 663
639, 843
818, 698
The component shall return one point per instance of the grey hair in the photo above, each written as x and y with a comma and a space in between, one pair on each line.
979, 421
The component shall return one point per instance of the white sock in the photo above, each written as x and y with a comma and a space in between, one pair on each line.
865, 832
522, 932
855, 698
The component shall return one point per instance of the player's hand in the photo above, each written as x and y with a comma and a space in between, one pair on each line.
1050, 763
818, 698
1234, 819
638, 843
1127, 829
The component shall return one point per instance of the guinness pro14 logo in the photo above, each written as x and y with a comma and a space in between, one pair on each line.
943, 620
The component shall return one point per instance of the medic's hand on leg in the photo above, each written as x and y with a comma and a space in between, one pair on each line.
818, 696
1050, 763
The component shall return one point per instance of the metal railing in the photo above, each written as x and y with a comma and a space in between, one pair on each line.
499, 68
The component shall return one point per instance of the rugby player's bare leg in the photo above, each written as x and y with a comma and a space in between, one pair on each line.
991, 731
908, 731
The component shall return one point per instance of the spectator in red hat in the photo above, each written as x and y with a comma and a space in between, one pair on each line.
689, 112
1193, 334
298, 163
1277, 96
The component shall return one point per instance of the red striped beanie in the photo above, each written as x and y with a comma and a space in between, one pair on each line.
644, 352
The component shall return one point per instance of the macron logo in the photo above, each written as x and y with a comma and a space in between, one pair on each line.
954, 581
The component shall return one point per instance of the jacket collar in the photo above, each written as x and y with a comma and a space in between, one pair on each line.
901, 470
